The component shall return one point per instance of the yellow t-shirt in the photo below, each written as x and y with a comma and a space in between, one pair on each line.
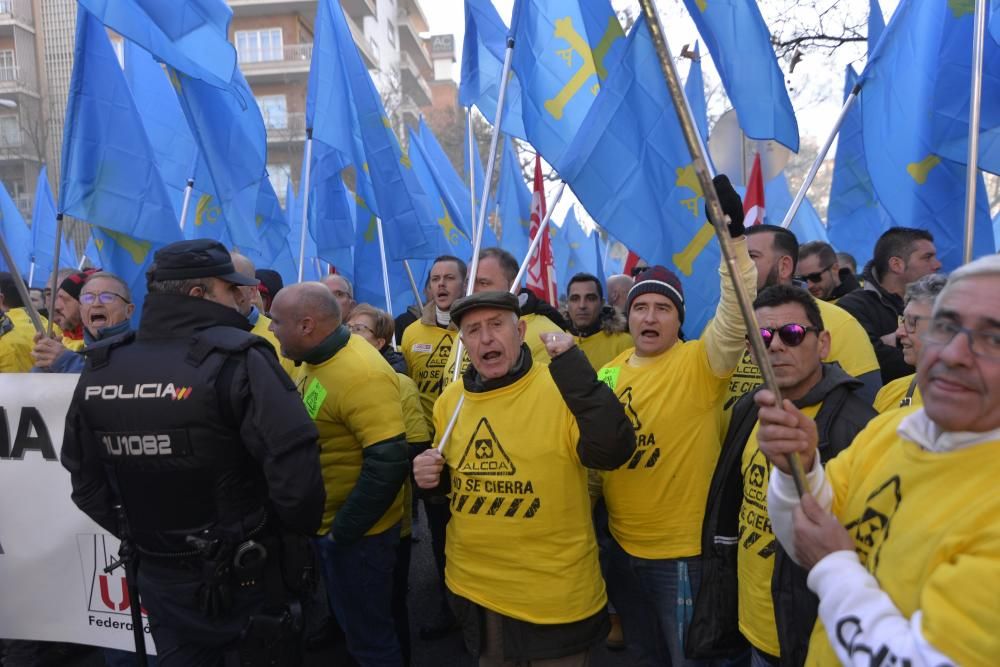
418, 430
426, 350
849, 346
261, 329
354, 399
602, 347
73, 344
755, 554
520, 540
535, 324
890, 395
656, 501
16, 345
925, 525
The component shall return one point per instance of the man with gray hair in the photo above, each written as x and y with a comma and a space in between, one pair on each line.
899, 532
618, 287
342, 291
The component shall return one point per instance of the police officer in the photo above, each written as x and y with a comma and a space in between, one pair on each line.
192, 427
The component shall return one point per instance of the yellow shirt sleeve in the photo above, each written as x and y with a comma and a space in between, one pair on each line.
725, 334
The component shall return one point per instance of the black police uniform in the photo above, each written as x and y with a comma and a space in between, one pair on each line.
193, 427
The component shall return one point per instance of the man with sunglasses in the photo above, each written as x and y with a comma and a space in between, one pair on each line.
751, 593
899, 532
105, 309
819, 269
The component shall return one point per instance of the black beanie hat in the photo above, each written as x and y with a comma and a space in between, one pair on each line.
73, 283
658, 280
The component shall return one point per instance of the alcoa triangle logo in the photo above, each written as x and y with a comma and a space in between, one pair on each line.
439, 357
484, 456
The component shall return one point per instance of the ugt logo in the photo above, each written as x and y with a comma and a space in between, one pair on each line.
106, 593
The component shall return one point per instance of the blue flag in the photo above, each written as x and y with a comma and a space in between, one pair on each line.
109, 173
694, 90
573, 250
876, 25
43, 231
806, 224
17, 235
331, 216
191, 36
482, 64
293, 213
914, 182
513, 205
855, 218
631, 170
126, 257
345, 112
367, 275
232, 141
563, 51
446, 179
740, 44
452, 239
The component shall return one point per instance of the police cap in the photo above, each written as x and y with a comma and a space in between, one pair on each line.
197, 258
501, 300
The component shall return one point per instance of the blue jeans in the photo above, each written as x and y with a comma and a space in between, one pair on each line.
654, 599
359, 580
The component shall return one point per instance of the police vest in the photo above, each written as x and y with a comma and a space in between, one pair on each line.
167, 430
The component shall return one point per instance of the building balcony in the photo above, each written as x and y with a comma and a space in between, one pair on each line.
275, 65
12, 82
410, 42
357, 10
241, 8
291, 128
15, 13
413, 83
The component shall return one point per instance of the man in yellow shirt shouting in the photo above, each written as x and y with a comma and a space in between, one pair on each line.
900, 532
522, 563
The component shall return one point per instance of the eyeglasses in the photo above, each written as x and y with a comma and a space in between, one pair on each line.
791, 335
910, 323
982, 343
813, 277
90, 298
358, 328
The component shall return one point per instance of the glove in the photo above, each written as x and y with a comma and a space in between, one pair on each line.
731, 203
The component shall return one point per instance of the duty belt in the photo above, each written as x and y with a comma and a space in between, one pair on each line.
248, 548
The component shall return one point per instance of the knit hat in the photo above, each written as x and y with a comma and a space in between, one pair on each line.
658, 280
73, 283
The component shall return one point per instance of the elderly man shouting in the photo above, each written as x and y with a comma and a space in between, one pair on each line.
516, 472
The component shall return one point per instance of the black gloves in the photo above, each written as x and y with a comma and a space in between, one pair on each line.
732, 205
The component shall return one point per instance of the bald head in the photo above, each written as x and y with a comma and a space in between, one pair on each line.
302, 316
618, 287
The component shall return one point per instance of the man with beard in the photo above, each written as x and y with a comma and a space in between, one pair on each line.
600, 330
819, 269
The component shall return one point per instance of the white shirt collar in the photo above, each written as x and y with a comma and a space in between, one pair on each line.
919, 428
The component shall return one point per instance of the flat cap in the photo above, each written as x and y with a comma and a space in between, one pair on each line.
197, 258
465, 305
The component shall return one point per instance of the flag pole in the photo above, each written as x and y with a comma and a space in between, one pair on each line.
55, 271
472, 174
305, 201
22, 289
413, 283
385, 274
187, 201
532, 248
31, 271
975, 104
715, 214
814, 169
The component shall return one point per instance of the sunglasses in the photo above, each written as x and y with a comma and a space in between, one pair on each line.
791, 335
89, 298
813, 277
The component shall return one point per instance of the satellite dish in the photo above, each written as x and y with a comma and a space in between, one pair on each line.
732, 152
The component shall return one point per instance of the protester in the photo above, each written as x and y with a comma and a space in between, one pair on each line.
233, 471
898, 532
37, 297
618, 287
516, 472
497, 271
105, 310
847, 261
917, 306
375, 326
672, 391
819, 269
600, 330
353, 396
902, 256
750, 590
270, 284
67, 310
342, 291
251, 307
775, 251
16, 330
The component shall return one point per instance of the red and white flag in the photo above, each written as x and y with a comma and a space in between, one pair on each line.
631, 261
541, 273
753, 203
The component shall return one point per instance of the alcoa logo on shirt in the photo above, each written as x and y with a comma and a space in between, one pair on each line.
116, 392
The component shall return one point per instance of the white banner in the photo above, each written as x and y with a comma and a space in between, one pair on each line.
52, 557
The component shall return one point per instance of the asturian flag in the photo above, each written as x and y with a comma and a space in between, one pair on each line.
753, 203
541, 274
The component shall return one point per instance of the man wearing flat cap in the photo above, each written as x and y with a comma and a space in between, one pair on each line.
514, 466
193, 429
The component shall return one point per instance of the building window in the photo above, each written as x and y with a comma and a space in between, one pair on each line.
10, 131
274, 110
279, 174
392, 32
8, 68
376, 56
256, 46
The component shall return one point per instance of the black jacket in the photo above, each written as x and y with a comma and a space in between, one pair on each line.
878, 311
714, 630
848, 283
531, 304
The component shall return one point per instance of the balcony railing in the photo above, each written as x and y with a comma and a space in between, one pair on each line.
9, 73
292, 129
267, 57
16, 10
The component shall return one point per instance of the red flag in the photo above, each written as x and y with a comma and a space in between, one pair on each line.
541, 273
630, 263
753, 203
